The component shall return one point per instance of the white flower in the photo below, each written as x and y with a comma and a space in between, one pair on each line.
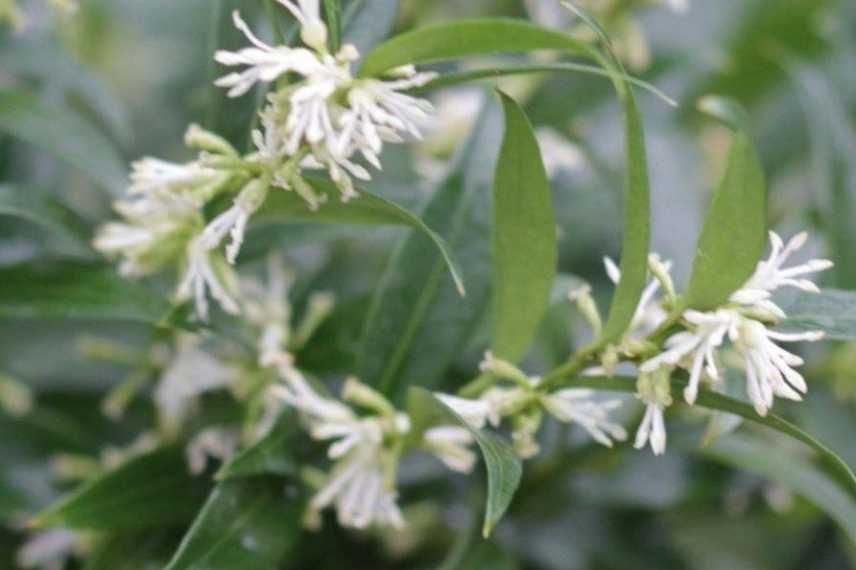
313, 31
475, 412
770, 368
769, 276
191, 373
697, 345
265, 63
655, 391
451, 445
150, 175
204, 272
235, 219
361, 483
649, 313
216, 443
577, 405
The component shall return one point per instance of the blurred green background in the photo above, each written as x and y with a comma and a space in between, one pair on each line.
115, 80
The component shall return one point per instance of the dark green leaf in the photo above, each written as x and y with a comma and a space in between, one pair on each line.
399, 344
367, 209
799, 476
64, 134
734, 233
151, 549
70, 288
524, 237
270, 455
147, 491
832, 311
502, 465
250, 524
331, 11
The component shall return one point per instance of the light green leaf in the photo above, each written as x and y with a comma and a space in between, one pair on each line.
249, 524
147, 491
270, 455
64, 134
367, 209
462, 38
71, 288
331, 12
832, 311
801, 477
524, 237
734, 233
715, 401
502, 465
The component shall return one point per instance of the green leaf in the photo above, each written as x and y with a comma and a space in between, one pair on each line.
147, 491
151, 548
71, 288
832, 311
61, 132
502, 465
249, 524
368, 209
524, 237
801, 477
270, 455
47, 213
331, 11
462, 38
716, 401
734, 233
399, 345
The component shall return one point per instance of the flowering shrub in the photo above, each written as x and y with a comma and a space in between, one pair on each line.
262, 413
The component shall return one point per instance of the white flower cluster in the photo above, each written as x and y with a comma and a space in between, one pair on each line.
744, 321
366, 449
523, 402
326, 119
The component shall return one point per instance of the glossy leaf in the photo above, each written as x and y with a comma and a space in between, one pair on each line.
402, 342
715, 401
147, 491
71, 288
800, 477
64, 134
367, 209
832, 311
734, 233
524, 237
250, 523
270, 455
503, 467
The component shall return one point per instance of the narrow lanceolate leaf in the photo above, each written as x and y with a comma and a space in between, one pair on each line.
799, 476
65, 135
502, 465
47, 213
70, 288
524, 237
734, 233
400, 343
250, 523
832, 311
462, 38
367, 209
147, 491
331, 13
272, 455
836, 466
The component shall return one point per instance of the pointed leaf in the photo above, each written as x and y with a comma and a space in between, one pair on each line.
524, 237
502, 465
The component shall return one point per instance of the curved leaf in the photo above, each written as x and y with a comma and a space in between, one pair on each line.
270, 455
367, 209
524, 237
71, 288
64, 134
249, 523
150, 490
832, 311
502, 465
734, 233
